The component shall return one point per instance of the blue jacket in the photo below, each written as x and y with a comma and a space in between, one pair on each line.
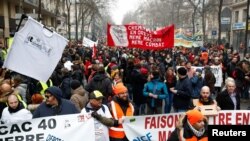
65, 107
155, 87
197, 84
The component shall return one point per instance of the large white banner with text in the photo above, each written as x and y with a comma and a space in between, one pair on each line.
216, 70
74, 127
159, 127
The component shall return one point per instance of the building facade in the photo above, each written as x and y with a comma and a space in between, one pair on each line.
239, 14
51, 14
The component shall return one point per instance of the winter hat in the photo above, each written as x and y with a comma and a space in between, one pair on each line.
119, 88
144, 71
194, 116
182, 71
198, 70
75, 84
95, 95
55, 91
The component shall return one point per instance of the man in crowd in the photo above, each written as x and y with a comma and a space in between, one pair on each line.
102, 83
182, 91
102, 115
15, 112
229, 99
5, 89
120, 106
193, 127
54, 104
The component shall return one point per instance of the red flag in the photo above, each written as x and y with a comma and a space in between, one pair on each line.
137, 36
94, 50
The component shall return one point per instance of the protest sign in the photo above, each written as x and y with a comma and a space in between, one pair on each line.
138, 36
35, 51
160, 127
75, 127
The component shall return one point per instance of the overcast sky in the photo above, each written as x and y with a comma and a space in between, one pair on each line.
121, 8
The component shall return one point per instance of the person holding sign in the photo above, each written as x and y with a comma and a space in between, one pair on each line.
120, 106
102, 115
54, 104
206, 104
191, 127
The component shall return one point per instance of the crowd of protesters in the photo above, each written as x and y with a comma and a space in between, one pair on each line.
154, 82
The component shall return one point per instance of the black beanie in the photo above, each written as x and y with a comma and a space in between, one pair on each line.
182, 71
75, 84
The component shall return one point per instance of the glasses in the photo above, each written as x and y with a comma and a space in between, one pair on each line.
47, 96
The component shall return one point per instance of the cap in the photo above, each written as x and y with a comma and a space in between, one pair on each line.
95, 95
119, 88
198, 70
194, 116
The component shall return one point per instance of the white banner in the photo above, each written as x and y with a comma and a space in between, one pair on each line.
35, 51
88, 43
216, 70
159, 127
75, 127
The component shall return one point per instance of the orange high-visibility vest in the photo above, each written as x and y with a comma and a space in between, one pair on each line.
118, 132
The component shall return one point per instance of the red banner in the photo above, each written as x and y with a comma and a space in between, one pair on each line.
137, 36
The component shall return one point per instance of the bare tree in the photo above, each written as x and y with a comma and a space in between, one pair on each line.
68, 4
219, 21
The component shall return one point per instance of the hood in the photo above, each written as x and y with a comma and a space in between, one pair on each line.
55, 91
99, 77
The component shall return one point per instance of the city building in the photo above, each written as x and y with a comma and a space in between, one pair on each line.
50, 12
239, 14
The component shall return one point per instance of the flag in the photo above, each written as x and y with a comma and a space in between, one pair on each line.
137, 36
94, 50
35, 52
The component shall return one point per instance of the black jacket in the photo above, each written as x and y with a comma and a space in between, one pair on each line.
102, 83
182, 99
225, 103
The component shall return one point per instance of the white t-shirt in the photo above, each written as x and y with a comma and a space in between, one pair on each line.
21, 115
101, 131
35, 51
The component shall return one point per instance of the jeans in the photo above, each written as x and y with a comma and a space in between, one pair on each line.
168, 103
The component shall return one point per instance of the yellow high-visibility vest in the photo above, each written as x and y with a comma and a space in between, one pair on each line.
45, 86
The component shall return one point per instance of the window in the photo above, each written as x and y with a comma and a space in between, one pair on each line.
244, 15
236, 18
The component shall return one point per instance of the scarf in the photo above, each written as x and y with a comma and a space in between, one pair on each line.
18, 108
196, 133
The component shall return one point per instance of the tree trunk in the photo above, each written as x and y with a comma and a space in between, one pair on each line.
193, 20
68, 18
219, 21
203, 21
